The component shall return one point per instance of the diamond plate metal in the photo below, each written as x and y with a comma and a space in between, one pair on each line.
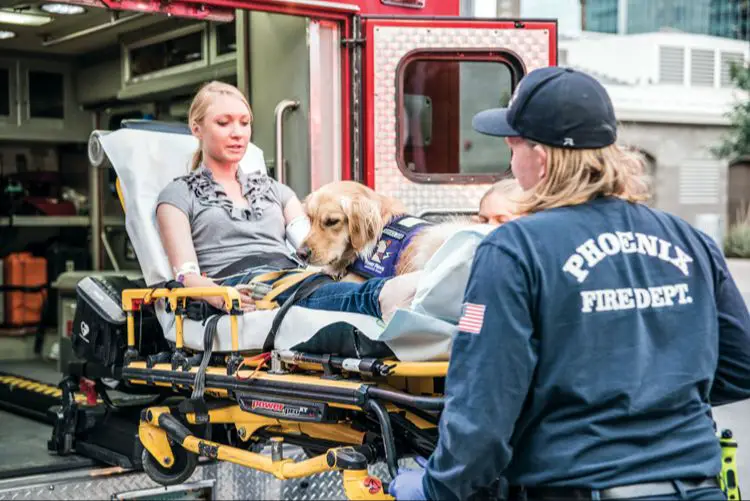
99, 483
230, 481
253, 484
391, 44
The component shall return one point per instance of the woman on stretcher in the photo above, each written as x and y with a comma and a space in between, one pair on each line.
218, 216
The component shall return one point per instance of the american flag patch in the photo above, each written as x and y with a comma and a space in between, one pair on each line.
472, 318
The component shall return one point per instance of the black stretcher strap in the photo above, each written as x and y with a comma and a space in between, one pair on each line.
196, 403
280, 261
303, 291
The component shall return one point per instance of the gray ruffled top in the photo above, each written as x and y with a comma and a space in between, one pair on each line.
256, 188
223, 232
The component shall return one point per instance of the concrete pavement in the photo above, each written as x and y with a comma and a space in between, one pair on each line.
740, 270
737, 416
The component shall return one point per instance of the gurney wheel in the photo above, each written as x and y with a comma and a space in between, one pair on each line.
185, 463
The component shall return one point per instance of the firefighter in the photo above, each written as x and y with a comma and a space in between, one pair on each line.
596, 332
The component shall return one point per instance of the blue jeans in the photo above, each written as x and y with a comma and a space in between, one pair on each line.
338, 296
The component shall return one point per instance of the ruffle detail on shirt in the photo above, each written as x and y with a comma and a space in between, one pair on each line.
256, 188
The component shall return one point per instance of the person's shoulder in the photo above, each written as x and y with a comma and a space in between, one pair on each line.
176, 185
682, 224
177, 190
283, 192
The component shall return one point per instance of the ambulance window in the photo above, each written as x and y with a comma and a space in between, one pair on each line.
439, 96
4, 92
158, 56
226, 38
46, 94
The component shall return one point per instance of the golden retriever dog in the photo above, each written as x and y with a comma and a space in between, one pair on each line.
347, 219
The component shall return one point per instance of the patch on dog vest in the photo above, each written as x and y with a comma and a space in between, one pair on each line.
395, 238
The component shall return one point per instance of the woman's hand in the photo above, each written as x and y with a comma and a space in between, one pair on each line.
247, 303
217, 302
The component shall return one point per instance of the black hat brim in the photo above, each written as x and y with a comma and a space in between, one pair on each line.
494, 122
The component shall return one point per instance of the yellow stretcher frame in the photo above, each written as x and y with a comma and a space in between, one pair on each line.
358, 483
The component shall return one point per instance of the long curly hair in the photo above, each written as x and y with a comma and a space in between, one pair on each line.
577, 176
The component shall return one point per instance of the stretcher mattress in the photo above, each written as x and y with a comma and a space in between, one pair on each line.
147, 161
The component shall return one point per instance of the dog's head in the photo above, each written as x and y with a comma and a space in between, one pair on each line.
346, 219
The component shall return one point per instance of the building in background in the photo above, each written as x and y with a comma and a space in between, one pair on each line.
491, 8
672, 92
508, 8
567, 13
723, 18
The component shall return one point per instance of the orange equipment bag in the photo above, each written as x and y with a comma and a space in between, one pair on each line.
24, 270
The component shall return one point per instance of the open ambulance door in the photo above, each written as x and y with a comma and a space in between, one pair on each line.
297, 82
425, 79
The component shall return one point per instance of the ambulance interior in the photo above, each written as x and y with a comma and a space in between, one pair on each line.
67, 69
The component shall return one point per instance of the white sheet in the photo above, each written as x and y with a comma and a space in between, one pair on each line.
430, 322
146, 162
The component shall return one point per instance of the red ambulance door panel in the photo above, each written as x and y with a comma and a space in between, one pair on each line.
424, 81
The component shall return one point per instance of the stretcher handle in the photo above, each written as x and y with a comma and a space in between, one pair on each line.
230, 294
131, 299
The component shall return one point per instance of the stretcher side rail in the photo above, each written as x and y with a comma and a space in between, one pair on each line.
133, 299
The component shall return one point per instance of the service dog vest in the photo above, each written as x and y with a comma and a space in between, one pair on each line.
395, 238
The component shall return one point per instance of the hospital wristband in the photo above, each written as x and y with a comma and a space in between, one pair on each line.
185, 269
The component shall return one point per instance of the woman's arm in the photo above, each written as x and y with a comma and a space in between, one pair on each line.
293, 209
176, 237
296, 222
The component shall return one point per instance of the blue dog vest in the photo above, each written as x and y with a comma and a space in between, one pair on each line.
395, 237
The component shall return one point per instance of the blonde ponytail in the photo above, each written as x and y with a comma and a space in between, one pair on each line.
197, 158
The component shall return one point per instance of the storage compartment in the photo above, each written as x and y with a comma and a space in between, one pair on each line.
100, 326
158, 63
29, 274
40, 101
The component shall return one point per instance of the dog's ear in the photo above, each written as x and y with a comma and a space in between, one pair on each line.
365, 222
390, 207
310, 202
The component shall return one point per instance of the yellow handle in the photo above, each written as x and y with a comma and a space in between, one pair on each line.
728, 476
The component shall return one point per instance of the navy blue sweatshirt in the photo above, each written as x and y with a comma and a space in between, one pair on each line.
595, 340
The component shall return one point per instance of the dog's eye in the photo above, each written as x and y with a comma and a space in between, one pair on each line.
328, 223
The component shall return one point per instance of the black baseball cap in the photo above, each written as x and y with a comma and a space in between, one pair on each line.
555, 106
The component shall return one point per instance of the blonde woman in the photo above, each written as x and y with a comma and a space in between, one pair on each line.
499, 204
221, 226
597, 333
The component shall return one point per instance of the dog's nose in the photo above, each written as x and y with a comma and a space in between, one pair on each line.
303, 253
